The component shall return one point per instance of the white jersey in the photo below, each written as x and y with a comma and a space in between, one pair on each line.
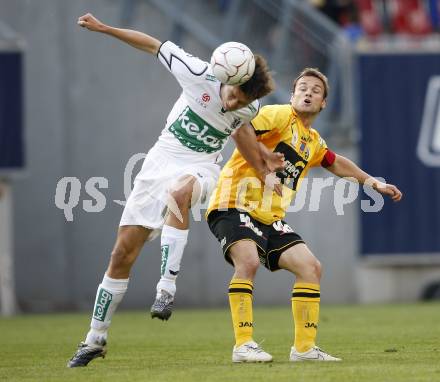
196, 130
197, 127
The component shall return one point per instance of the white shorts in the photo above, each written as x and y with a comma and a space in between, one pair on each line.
149, 201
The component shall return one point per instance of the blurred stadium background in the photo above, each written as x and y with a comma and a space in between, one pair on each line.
78, 104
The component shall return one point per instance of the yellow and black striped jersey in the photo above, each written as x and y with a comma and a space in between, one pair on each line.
280, 129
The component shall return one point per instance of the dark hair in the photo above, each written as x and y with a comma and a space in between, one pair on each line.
313, 72
261, 82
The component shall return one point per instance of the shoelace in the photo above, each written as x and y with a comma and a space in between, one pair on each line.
321, 353
163, 301
257, 347
80, 352
165, 297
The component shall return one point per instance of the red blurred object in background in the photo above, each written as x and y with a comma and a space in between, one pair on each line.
370, 17
409, 17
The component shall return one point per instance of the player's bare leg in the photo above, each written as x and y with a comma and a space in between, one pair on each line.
173, 240
110, 292
244, 256
305, 302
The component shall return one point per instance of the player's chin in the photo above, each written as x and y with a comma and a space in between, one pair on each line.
307, 110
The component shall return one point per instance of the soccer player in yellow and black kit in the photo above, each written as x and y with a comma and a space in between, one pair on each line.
246, 217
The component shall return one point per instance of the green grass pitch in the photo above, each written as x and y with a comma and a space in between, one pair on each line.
377, 343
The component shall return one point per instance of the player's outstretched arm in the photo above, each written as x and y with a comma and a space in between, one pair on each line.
345, 168
256, 154
136, 39
246, 142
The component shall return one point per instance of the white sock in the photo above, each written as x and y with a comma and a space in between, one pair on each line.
172, 243
109, 295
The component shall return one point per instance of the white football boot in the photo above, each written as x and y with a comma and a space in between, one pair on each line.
250, 352
314, 354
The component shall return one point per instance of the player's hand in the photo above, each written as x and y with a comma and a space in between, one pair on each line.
388, 189
274, 161
272, 181
91, 23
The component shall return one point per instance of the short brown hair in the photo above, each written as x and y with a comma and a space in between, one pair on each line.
313, 72
261, 82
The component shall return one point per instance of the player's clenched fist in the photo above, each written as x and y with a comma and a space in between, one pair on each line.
91, 23
388, 189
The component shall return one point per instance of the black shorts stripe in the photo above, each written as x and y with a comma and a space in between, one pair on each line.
305, 294
315, 290
259, 248
240, 290
287, 246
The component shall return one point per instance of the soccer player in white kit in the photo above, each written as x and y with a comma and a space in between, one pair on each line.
180, 169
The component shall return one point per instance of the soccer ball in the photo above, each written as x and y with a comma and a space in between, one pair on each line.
233, 63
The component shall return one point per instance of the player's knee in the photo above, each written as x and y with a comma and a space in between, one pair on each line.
122, 256
316, 268
247, 266
307, 269
252, 264
311, 270
182, 196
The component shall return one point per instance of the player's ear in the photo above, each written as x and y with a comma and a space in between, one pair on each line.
323, 104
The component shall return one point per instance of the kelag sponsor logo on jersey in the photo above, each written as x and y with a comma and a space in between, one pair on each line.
428, 148
295, 165
196, 134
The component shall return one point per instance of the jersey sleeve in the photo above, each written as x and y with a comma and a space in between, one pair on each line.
323, 156
266, 120
329, 158
185, 67
250, 112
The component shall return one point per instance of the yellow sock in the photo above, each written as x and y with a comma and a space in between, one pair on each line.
240, 301
305, 309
